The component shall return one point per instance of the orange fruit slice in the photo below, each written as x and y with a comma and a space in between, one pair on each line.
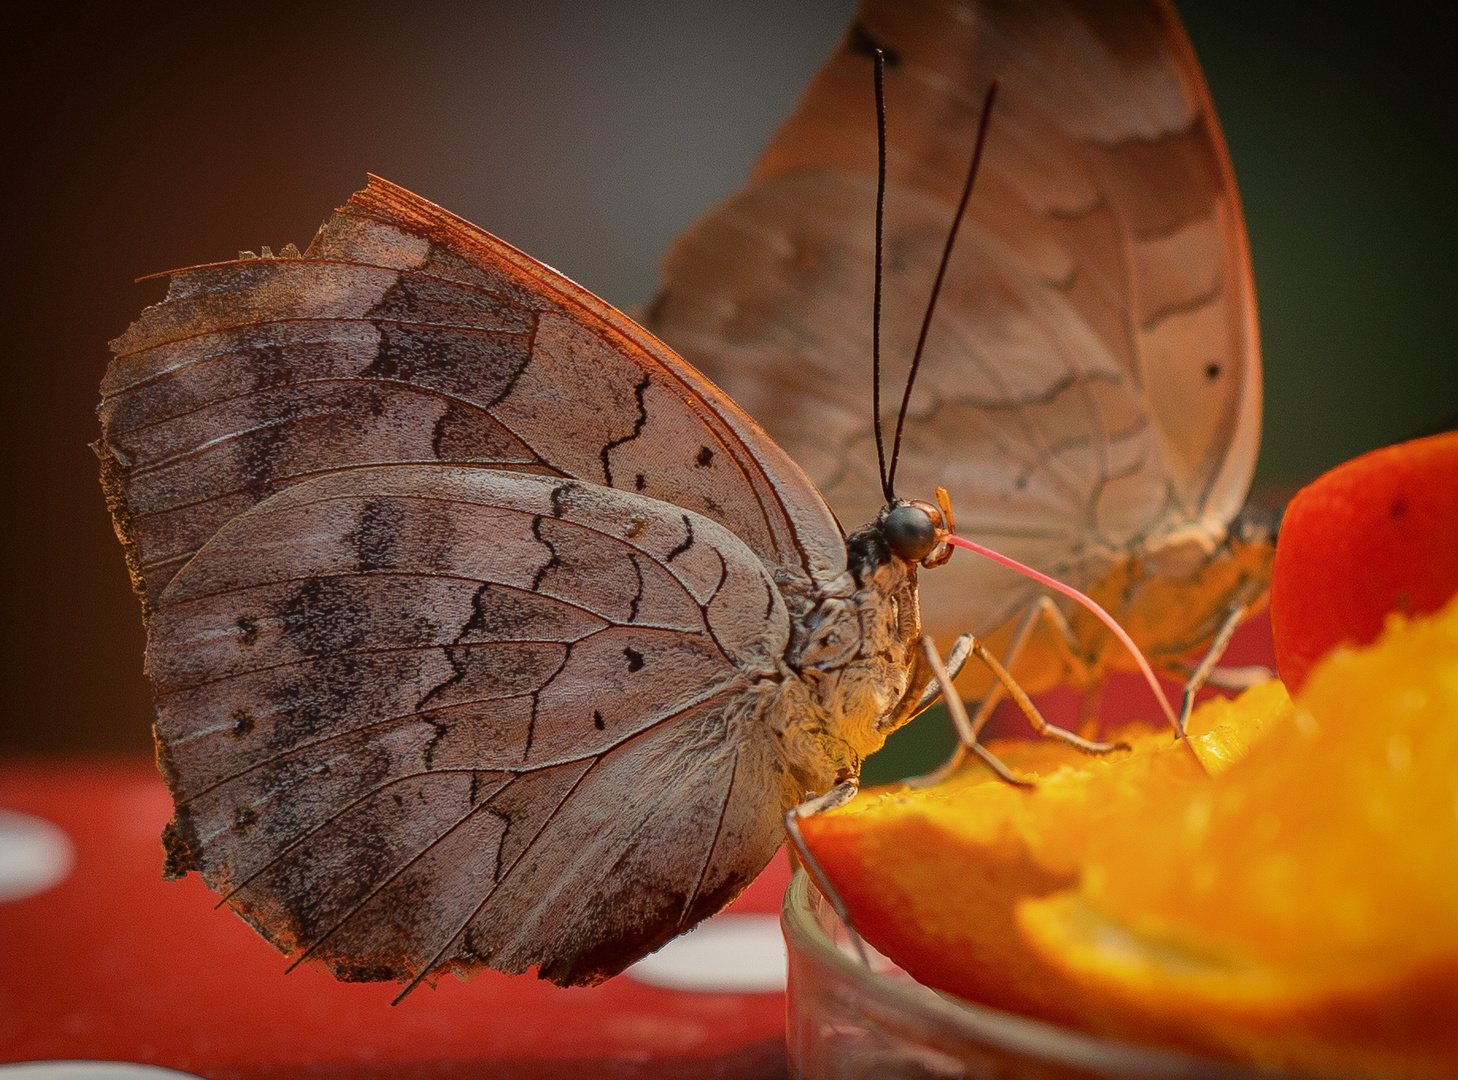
1299, 908
1376, 534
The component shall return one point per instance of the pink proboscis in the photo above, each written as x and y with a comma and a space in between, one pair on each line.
1107, 619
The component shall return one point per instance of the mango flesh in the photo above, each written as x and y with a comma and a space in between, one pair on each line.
1298, 908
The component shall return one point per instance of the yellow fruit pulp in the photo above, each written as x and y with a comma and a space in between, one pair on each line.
1297, 908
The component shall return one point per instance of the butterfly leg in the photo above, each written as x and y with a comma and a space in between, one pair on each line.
966, 729
842, 793
956, 660
961, 650
994, 695
1206, 671
1080, 666
1035, 718
969, 729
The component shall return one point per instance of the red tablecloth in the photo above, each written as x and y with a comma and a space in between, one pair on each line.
116, 963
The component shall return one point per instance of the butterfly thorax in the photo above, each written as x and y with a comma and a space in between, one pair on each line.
856, 663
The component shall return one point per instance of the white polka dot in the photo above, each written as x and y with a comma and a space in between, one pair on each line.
89, 1070
34, 855
728, 954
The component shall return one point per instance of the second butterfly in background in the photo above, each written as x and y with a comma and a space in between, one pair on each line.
1091, 389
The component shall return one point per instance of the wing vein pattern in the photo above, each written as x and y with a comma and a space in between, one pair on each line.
463, 603
1091, 383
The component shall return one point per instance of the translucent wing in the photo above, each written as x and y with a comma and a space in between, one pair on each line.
422, 718
405, 334
1091, 385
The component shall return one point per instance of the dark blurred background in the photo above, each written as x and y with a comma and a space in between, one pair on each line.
589, 135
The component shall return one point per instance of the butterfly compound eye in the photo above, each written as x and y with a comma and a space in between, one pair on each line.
911, 532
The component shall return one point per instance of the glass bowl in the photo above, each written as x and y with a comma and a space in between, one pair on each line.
845, 1020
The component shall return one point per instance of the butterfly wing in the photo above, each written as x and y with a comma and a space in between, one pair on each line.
461, 594
405, 334
1091, 383
423, 718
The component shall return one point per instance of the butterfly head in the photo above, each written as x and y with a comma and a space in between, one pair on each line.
917, 531
860, 650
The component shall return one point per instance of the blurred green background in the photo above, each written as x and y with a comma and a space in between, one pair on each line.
589, 135
1342, 121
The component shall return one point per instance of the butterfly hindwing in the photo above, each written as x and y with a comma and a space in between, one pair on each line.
420, 718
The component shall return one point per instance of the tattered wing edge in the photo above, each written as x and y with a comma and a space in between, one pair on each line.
121, 523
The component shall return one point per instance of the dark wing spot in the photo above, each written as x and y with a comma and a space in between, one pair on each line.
243, 817
482, 611
1399, 508
635, 659
264, 451
704, 457
640, 482
1212, 371
638, 596
505, 818
597, 720
242, 723
270, 367
559, 497
248, 628
441, 730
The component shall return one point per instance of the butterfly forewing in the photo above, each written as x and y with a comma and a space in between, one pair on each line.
1091, 381
426, 717
408, 335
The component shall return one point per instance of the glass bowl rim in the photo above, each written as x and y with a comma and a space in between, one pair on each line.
1009, 1032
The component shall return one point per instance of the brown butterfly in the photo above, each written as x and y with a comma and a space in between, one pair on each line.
1090, 393
482, 629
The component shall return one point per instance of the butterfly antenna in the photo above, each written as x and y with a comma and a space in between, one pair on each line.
878, 58
931, 306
